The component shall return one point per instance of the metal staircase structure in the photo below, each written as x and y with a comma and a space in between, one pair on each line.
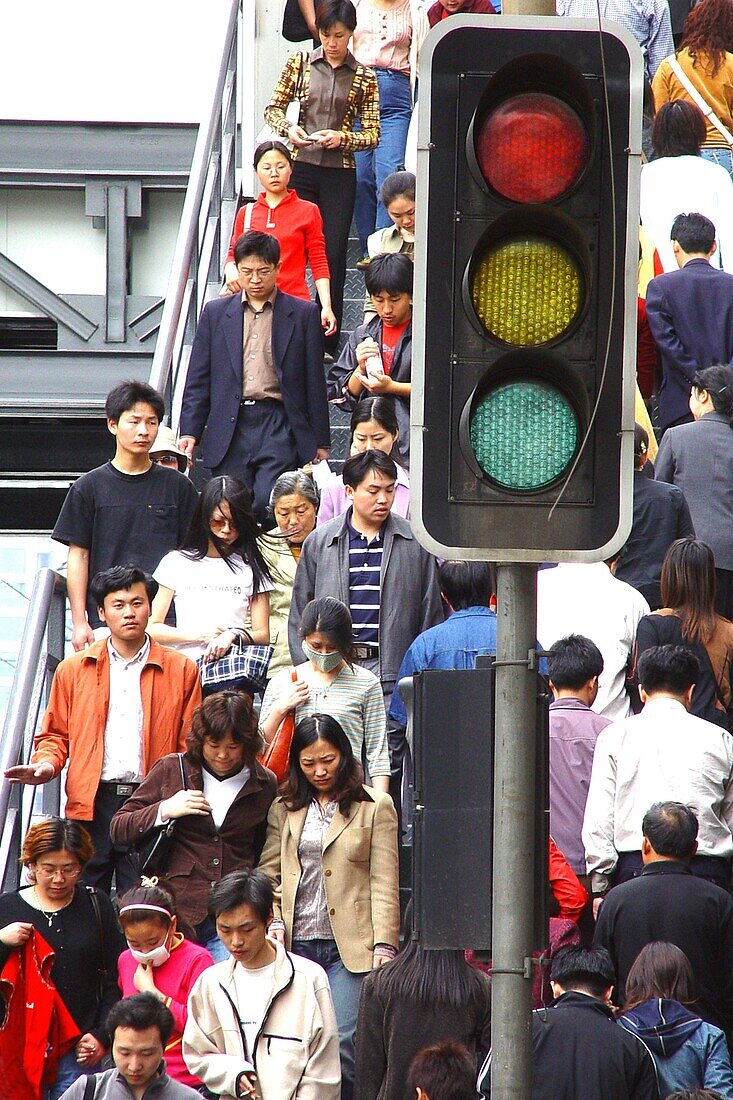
57, 365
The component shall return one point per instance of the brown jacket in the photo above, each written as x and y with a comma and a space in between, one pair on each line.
359, 869
75, 719
201, 854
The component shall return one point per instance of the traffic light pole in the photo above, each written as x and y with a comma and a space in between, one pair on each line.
514, 833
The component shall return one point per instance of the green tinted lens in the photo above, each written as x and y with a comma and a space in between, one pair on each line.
524, 435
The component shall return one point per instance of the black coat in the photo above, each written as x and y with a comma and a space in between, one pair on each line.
580, 1053
667, 902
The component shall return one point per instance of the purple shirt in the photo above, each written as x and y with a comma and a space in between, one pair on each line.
574, 728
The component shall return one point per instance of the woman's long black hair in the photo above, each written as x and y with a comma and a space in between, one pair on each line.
195, 545
296, 791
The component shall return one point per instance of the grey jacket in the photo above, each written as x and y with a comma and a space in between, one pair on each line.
699, 458
111, 1085
410, 596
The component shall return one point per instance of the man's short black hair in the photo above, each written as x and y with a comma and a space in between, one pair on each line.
120, 578
671, 829
127, 395
390, 273
262, 245
467, 583
671, 668
573, 661
358, 466
693, 233
251, 888
139, 1012
586, 969
445, 1071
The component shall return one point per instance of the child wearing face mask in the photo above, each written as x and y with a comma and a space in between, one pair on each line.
161, 960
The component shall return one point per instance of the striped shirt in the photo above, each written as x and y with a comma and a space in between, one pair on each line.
354, 698
648, 20
365, 567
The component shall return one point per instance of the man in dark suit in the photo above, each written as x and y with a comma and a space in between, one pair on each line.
690, 313
667, 902
255, 378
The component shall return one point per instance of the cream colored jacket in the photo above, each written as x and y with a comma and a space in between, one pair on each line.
296, 1053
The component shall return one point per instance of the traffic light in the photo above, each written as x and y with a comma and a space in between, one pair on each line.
526, 259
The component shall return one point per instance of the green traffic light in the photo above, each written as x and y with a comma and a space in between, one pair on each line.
524, 434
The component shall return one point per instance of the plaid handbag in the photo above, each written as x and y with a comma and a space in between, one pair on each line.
242, 662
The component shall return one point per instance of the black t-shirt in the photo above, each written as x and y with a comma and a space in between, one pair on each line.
74, 936
125, 518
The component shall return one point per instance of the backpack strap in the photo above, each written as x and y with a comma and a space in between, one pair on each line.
90, 1087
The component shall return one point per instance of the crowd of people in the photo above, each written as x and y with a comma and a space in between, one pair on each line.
223, 908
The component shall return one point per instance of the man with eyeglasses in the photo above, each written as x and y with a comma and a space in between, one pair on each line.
255, 378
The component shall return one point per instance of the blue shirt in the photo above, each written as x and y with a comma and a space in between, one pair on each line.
456, 643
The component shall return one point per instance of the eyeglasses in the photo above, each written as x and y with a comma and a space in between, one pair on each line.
258, 273
165, 460
71, 870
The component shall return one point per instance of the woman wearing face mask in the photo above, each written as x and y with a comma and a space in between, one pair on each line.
332, 848
329, 682
374, 427
219, 817
161, 960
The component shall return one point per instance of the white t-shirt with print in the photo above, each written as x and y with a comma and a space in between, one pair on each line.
208, 594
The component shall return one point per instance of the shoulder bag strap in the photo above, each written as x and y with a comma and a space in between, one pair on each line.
184, 784
102, 970
698, 99
248, 211
90, 1087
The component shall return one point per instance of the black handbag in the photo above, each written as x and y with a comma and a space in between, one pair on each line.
295, 28
155, 848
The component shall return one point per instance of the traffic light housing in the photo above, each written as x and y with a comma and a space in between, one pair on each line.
524, 322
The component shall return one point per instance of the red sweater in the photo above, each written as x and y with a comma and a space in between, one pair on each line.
175, 978
298, 227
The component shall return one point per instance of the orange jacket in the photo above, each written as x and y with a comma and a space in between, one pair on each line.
75, 719
38, 1027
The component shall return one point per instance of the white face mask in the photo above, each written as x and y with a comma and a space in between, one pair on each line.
156, 957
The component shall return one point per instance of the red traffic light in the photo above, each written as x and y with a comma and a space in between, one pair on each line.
532, 147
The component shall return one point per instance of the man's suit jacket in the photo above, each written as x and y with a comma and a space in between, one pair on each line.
698, 458
690, 313
360, 874
214, 381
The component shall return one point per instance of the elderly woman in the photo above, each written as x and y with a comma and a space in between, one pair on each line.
81, 929
220, 813
294, 504
332, 848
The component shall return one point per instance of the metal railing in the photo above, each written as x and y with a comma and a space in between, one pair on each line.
207, 219
41, 649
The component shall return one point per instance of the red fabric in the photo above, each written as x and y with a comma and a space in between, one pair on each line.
298, 228
436, 11
564, 883
390, 339
38, 1028
646, 351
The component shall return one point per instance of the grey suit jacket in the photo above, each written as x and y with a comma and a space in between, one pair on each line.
410, 596
699, 458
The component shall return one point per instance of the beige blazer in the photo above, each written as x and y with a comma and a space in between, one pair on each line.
360, 874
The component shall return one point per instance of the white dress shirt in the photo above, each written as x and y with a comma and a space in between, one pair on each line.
588, 600
123, 732
663, 754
